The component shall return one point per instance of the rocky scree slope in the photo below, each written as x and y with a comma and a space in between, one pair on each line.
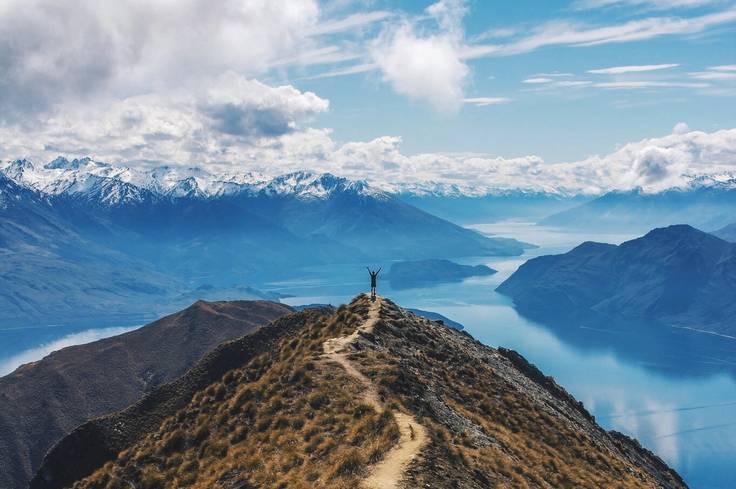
272, 410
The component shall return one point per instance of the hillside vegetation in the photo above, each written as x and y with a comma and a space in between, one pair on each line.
43, 401
288, 415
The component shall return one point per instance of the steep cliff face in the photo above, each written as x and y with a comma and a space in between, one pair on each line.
43, 401
368, 394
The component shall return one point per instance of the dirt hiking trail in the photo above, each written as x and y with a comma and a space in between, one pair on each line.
387, 473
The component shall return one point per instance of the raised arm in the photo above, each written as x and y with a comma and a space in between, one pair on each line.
379, 270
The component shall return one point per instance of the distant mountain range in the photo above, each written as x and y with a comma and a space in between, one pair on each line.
82, 230
727, 232
676, 276
43, 401
507, 205
706, 203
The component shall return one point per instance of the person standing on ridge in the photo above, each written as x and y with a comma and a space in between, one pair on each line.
374, 279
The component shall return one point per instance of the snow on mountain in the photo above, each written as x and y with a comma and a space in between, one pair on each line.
314, 186
722, 181
92, 180
454, 190
86, 178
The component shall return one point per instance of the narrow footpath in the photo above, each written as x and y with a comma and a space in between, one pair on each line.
387, 473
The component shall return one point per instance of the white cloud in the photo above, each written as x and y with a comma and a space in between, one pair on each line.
537, 80
553, 74
483, 101
723, 68
350, 22
566, 33
241, 107
652, 4
498, 33
348, 70
424, 63
653, 164
573, 83
638, 84
617, 70
55, 52
660, 163
201, 127
713, 75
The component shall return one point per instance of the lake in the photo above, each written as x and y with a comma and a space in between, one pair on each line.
673, 390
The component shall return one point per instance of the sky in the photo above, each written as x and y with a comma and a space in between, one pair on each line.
579, 95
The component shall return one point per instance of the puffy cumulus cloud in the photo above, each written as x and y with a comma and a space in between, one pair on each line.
658, 163
652, 164
425, 62
54, 52
228, 117
243, 125
657, 167
241, 107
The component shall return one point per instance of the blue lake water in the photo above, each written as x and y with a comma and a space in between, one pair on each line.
673, 390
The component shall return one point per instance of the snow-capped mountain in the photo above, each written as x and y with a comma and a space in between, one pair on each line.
243, 220
82, 225
722, 181
307, 185
89, 179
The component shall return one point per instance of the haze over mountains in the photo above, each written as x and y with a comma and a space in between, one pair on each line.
102, 236
727, 232
677, 276
707, 202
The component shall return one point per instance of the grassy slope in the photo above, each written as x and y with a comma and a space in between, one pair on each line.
285, 417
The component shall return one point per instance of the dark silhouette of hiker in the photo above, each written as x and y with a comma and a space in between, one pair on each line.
374, 279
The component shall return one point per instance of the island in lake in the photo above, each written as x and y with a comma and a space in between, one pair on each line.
420, 273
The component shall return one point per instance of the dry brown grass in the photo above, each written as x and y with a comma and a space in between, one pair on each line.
535, 446
287, 419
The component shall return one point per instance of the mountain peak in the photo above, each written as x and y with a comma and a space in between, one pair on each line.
310, 185
675, 230
369, 394
61, 163
677, 233
675, 275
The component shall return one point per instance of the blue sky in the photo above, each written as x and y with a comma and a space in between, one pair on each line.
560, 124
577, 96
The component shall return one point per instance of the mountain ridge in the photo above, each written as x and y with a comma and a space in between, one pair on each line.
43, 401
278, 412
676, 275
167, 231
707, 203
